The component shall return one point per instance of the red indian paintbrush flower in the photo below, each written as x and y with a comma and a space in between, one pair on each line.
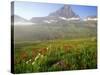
33, 53
23, 55
67, 48
43, 51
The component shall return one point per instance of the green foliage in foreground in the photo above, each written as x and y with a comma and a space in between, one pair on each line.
61, 55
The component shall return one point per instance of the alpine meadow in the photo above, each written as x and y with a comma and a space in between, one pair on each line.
50, 37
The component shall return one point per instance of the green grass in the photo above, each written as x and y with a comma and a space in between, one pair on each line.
61, 55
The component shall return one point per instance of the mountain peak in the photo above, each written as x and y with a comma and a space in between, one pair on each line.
65, 11
66, 7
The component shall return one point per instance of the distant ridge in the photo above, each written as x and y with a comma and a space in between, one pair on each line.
20, 20
64, 13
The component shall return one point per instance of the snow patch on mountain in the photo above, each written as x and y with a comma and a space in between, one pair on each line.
63, 18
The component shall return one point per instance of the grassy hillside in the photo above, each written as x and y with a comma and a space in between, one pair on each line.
57, 30
55, 55
58, 46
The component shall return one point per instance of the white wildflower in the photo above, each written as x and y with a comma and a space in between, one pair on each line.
37, 56
47, 48
42, 56
27, 62
30, 60
33, 63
